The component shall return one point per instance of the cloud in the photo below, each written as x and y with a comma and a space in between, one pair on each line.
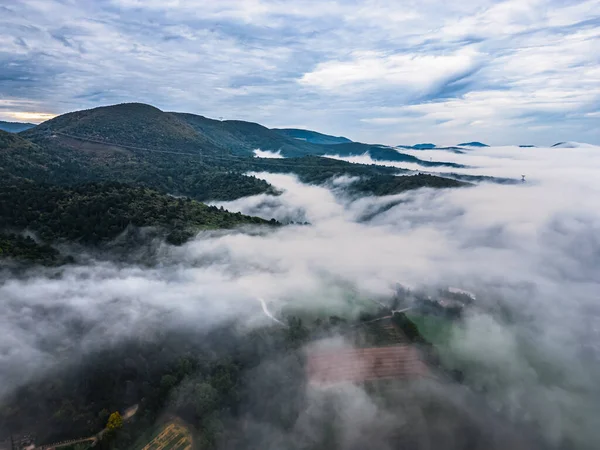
334, 66
528, 251
267, 154
417, 73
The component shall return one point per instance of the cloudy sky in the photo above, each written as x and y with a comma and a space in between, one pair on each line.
393, 72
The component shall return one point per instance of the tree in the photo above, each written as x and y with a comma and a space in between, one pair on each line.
115, 421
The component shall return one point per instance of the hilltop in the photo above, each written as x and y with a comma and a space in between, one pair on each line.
473, 144
127, 124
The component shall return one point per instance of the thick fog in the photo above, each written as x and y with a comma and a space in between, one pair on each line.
529, 251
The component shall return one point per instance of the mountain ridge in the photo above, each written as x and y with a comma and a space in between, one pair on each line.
313, 137
15, 127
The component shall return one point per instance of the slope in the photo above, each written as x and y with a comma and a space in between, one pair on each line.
312, 137
132, 143
130, 124
181, 154
21, 158
383, 153
15, 127
99, 212
243, 138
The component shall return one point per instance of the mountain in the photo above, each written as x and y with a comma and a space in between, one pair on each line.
427, 146
175, 153
15, 127
127, 124
312, 136
526, 146
473, 144
383, 153
394, 184
572, 144
242, 138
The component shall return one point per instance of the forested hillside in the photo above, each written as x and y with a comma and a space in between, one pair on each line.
24, 248
242, 138
65, 160
133, 124
93, 213
312, 137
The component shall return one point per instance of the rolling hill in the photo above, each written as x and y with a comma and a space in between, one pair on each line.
473, 144
312, 137
175, 153
383, 153
242, 138
15, 127
127, 124
62, 160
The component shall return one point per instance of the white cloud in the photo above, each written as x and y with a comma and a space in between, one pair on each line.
354, 60
267, 154
417, 72
527, 249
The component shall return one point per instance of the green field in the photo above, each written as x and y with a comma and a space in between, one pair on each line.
434, 329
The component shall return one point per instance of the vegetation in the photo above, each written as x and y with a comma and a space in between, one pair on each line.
66, 161
242, 138
388, 185
211, 381
115, 421
94, 213
383, 153
312, 136
130, 124
24, 248
181, 154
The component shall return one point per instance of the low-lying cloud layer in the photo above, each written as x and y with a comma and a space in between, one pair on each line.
529, 251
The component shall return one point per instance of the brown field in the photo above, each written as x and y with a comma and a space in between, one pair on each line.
173, 436
365, 364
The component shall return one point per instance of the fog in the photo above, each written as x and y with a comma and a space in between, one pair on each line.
532, 249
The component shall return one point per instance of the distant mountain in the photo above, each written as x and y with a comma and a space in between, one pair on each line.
526, 146
312, 136
427, 146
572, 144
473, 144
383, 153
15, 127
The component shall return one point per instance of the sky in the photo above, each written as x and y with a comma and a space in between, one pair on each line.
391, 72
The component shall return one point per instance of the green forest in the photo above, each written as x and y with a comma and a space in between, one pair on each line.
95, 213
